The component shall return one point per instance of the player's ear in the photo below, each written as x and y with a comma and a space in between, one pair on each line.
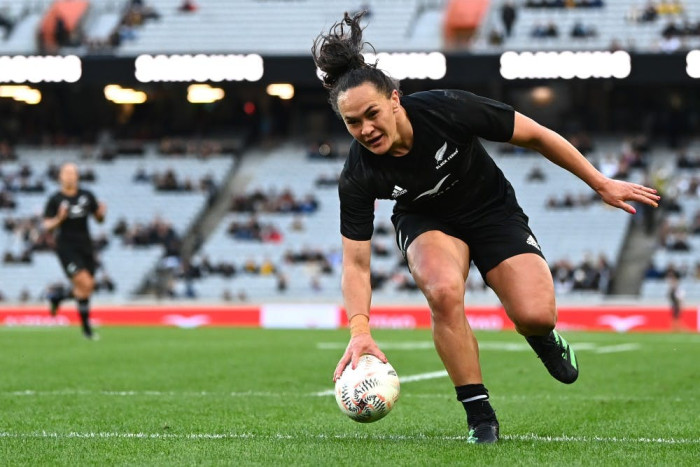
395, 101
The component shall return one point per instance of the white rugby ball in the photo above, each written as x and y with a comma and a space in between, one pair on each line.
369, 392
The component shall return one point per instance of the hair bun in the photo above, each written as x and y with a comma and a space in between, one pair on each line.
340, 51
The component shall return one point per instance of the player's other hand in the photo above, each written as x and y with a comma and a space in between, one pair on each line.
101, 211
359, 345
63, 211
617, 193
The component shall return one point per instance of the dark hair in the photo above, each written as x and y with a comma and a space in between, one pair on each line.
338, 55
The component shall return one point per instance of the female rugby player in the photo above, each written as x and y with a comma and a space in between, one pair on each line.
67, 213
453, 206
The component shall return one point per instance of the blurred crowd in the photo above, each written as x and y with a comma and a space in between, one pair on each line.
286, 201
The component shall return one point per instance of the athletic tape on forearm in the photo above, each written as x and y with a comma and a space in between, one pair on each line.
359, 324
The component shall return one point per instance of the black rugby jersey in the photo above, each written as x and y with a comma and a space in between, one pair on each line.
73, 230
447, 173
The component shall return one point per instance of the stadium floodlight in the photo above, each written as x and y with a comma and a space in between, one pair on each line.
284, 91
38, 69
198, 68
203, 94
693, 63
414, 65
119, 95
565, 65
21, 93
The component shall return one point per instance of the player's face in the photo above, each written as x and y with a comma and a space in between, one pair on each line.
68, 176
370, 117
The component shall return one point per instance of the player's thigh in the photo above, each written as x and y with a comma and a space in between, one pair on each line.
525, 287
439, 263
83, 281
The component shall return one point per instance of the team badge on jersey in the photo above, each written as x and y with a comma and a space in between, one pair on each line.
440, 156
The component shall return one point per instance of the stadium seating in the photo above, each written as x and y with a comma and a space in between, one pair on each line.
611, 23
684, 262
288, 28
564, 234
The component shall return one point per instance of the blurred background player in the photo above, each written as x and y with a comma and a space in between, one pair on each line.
66, 213
675, 297
452, 205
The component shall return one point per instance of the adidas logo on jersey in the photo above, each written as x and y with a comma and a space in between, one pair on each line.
531, 241
398, 191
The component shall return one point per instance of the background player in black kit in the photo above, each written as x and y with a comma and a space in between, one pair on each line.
453, 205
67, 213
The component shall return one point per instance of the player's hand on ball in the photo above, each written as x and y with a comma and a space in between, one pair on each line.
359, 345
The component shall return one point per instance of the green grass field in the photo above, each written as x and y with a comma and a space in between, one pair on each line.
158, 396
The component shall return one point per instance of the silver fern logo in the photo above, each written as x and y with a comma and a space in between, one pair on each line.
440, 154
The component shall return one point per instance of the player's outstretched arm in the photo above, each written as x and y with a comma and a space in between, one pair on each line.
530, 134
357, 294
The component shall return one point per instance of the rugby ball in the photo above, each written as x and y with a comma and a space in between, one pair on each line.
369, 392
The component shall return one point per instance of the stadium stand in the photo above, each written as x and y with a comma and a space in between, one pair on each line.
613, 23
159, 26
678, 245
566, 235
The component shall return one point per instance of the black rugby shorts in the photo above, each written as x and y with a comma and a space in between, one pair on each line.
490, 242
76, 259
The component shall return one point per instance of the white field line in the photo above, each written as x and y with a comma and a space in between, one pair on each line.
616, 348
261, 394
374, 436
402, 379
428, 345
498, 346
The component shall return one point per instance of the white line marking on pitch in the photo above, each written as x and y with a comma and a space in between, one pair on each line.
402, 379
616, 348
516, 397
415, 437
499, 346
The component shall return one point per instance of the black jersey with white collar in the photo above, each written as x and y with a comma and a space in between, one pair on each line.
447, 173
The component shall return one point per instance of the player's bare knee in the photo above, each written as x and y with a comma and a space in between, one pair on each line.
536, 323
443, 296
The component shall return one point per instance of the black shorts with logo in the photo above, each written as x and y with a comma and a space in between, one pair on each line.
74, 259
490, 241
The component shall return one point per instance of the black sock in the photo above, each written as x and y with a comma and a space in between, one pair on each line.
475, 399
84, 312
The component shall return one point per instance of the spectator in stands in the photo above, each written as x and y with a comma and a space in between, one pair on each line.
5, 22
7, 201
670, 42
7, 151
666, 7
141, 176
536, 174
495, 37
544, 31
457, 207
650, 13
188, 6
578, 30
509, 14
